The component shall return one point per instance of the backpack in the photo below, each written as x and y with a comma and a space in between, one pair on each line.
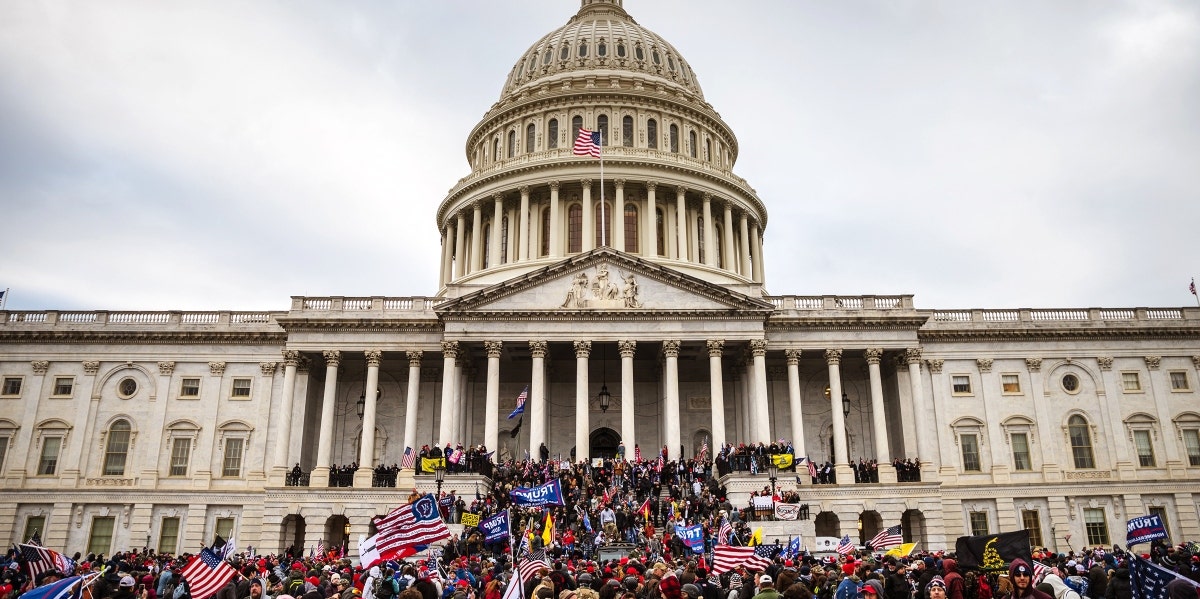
181, 591
295, 588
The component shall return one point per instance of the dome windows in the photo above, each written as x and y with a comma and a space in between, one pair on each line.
530, 135
620, 50
512, 143
602, 49
552, 134
576, 125
638, 54
548, 56
627, 131
670, 62
655, 57
692, 144
583, 48
602, 127
652, 134
565, 53
674, 138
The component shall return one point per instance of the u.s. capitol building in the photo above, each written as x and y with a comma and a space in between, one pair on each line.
121, 429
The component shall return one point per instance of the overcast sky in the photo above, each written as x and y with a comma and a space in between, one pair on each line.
228, 155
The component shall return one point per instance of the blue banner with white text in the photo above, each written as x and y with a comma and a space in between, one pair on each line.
547, 494
495, 528
1144, 529
692, 536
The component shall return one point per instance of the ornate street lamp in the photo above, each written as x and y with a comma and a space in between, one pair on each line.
360, 406
773, 474
845, 404
604, 397
439, 475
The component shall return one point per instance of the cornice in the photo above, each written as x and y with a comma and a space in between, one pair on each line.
145, 337
1058, 334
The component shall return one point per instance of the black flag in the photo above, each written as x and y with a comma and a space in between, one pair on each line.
516, 429
993, 552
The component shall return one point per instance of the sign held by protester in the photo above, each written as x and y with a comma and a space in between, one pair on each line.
787, 511
1144, 529
469, 519
692, 536
495, 528
547, 494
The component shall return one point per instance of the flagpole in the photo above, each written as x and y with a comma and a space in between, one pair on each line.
603, 219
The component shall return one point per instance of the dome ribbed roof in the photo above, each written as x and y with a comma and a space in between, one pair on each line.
602, 37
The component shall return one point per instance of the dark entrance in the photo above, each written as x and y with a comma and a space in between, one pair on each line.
604, 442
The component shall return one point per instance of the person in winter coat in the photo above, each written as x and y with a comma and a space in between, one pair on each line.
1020, 574
1060, 588
1118, 586
954, 580
1097, 581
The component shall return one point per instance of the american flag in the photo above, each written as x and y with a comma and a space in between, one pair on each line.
703, 449
844, 546
529, 567
1192, 287
660, 463
728, 557
1039, 572
724, 532
637, 454
432, 564
812, 468
587, 143
520, 409
416, 523
206, 574
409, 459
888, 537
39, 559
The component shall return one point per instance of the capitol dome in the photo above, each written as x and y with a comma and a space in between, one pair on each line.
602, 37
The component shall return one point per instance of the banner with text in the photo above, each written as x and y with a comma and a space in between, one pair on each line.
787, 511
495, 528
763, 502
692, 536
547, 494
1144, 529
469, 519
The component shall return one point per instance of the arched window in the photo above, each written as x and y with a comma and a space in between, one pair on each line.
548, 56
700, 238
504, 239
627, 131
496, 150
1081, 442
530, 130
604, 224
620, 50
660, 234
674, 139
654, 55
576, 125
552, 134
601, 49
637, 52
546, 232
602, 127
566, 52
708, 150
512, 143
717, 239
631, 228
692, 143
575, 228
652, 134
487, 247
116, 448
582, 48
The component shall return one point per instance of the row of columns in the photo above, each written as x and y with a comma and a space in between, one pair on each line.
463, 252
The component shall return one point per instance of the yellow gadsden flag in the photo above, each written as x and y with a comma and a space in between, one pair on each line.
756, 538
902, 550
782, 460
428, 465
548, 531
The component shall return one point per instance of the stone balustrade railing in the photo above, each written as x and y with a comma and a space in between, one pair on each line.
1029, 315
364, 304
841, 302
139, 318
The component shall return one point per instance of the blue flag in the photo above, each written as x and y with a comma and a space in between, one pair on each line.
495, 528
547, 494
1144, 529
692, 536
793, 548
521, 399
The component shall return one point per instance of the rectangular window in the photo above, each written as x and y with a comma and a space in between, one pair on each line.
1032, 521
1096, 526
34, 524
241, 388
1179, 381
189, 388
970, 452
168, 535
1131, 381
1145, 450
225, 528
1020, 449
12, 386
1191, 440
100, 541
979, 523
1010, 383
64, 386
4, 440
1161, 512
181, 451
232, 464
961, 383
48, 463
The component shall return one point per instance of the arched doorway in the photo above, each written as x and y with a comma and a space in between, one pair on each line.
291, 538
700, 439
337, 531
828, 525
604, 442
912, 525
869, 524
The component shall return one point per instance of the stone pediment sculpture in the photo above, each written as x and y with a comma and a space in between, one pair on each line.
603, 280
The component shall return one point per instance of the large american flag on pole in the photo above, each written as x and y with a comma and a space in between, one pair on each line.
408, 459
723, 532
39, 559
416, 523
888, 537
206, 574
532, 564
728, 557
845, 547
588, 143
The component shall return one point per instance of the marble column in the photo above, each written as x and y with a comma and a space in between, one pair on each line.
283, 441
583, 350
617, 218
589, 217
320, 474
762, 411
651, 237
556, 246
449, 393
628, 419
523, 244
366, 453
1051, 469
710, 240
744, 230
491, 426
795, 401
731, 262
494, 251
460, 242
444, 269
1159, 389
671, 409
476, 236
681, 231
716, 391
756, 248
411, 401
925, 438
462, 394
833, 358
537, 397
1111, 386
883, 453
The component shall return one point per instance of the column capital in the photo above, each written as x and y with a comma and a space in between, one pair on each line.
758, 347
681, 191
583, 348
935, 365
291, 357
554, 185
493, 348
874, 354
912, 355
462, 221
586, 183
1153, 362
524, 189
477, 205
619, 183
414, 358
216, 368
41, 366
793, 356
91, 367
707, 197
671, 348
833, 356
499, 197
715, 347
166, 368
651, 184
374, 357
985, 364
333, 357
1033, 364
268, 368
1105, 362
450, 349
626, 348
537, 349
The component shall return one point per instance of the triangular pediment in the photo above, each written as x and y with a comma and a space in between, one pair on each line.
604, 280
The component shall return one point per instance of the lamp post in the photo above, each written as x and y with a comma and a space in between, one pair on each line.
439, 475
773, 474
360, 406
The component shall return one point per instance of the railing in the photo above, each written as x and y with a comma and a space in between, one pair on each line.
296, 479
138, 318
1065, 315
364, 304
841, 302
